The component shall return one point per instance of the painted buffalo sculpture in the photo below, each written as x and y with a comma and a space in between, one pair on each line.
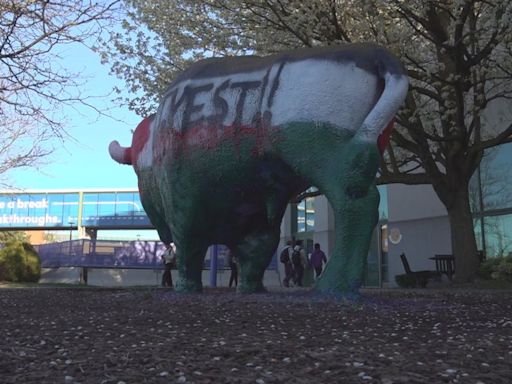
234, 139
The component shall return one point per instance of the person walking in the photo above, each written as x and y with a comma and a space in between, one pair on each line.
298, 265
169, 259
285, 258
317, 260
233, 265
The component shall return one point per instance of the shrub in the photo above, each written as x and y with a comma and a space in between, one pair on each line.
19, 262
406, 281
487, 268
503, 271
497, 268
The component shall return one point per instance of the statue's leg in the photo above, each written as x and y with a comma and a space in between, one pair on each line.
354, 198
254, 254
153, 205
191, 252
181, 198
355, 220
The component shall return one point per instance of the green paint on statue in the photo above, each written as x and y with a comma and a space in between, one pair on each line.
236, 194
235, 139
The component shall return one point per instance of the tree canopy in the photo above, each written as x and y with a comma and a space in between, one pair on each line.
458, 54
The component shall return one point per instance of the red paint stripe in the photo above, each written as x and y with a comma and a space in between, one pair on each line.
140, 138
209, 137
385, 136
127, 156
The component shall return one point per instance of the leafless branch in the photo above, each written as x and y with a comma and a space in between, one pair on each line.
33, 86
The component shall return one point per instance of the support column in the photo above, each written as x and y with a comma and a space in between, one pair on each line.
213, 266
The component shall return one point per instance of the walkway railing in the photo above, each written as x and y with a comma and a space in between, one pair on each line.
116, 254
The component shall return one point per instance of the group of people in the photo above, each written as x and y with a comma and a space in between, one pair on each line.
295, 263
292, 256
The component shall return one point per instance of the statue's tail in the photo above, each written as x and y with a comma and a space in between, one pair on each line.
380, 119
120, 154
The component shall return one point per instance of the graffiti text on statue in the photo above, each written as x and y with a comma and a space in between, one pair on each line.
221, 101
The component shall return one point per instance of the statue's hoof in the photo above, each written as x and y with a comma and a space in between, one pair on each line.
251, 288
189, 287
345, 292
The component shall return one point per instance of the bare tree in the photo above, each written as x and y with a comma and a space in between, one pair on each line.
34, 87
6, 236
460, 66
458, 54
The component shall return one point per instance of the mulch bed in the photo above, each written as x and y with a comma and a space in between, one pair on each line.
66, 335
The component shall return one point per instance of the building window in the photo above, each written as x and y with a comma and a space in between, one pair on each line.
306, 215
383, 202
491, 201
498, 235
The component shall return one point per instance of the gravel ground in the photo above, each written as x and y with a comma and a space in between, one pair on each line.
75, 335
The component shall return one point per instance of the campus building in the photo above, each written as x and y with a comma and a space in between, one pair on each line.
415, 222
87, 224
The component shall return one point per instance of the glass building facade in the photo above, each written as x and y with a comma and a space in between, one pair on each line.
491, 202
113, 209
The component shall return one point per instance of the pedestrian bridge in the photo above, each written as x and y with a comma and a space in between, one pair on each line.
72, 209
88, 211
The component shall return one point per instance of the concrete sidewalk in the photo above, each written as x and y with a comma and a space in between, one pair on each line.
110, 277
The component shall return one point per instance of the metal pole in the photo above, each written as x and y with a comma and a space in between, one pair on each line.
70, 235
213, 266
481, 208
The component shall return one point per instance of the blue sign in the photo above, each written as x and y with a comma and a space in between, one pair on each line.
38, 210
49, 210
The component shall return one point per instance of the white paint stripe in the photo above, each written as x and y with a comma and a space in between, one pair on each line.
145, 157
311, 90
390, 101
340, 94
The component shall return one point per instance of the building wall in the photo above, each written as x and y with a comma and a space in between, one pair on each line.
36, 237
418, 215
286, 233
414, 210
409, 202
324, 224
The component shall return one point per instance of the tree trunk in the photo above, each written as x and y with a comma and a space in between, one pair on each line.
464, 246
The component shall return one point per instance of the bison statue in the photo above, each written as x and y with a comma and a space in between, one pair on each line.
235, 138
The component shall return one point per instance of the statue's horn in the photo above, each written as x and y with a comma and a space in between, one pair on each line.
120, 154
